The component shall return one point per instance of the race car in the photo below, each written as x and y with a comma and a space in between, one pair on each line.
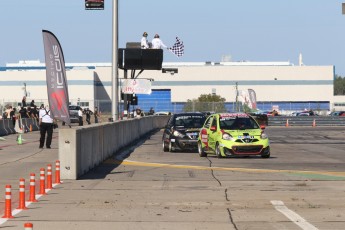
232, 134
181, 132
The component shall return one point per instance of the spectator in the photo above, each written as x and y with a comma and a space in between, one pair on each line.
137, 112
23, 112
30, 111
157, 43
32, 104
88, 114
35, 113
152, 111
24, 102
80, 116
8, 112
13, 116
96, 114
46, 126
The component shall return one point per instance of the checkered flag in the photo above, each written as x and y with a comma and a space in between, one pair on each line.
178, 48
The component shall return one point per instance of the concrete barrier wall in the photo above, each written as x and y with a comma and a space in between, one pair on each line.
83, 148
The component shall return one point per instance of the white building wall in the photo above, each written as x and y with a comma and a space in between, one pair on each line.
80, 85
271, 83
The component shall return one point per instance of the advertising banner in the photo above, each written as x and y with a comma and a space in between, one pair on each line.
56, 78
137, 86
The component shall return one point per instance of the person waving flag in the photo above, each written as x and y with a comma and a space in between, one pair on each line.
178, 48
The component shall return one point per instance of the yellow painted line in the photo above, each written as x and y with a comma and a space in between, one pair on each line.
149, 164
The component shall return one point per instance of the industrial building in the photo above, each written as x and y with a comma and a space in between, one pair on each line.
279, 85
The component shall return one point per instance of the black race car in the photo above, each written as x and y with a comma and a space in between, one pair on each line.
182, 131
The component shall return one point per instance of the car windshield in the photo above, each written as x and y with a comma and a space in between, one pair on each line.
235, 123
72, 107
190, 121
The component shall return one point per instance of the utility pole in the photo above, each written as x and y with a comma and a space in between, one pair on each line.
237, 107
114, 69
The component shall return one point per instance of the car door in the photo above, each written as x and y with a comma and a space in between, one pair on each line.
212, 133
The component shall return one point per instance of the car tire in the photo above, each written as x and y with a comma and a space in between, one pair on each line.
218, 152
171, 148
201, 150
165, 148
267, 155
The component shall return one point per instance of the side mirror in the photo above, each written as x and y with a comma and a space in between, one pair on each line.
213, 128
262, 127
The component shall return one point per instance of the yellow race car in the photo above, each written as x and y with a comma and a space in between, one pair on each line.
232, 134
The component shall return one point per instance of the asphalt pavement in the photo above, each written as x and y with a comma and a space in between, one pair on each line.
146, 188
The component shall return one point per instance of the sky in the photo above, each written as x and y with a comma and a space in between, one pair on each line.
245, 30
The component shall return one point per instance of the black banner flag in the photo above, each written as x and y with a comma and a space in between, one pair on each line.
56, 78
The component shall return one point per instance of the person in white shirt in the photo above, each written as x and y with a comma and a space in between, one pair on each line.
144, 43
80, 116
46, 126
157, 43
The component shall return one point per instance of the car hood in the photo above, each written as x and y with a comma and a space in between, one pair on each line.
183, 129
250, 132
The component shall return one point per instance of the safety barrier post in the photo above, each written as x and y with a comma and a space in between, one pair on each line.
42, 182
8, 202
22, 194
49, 177
57, 172
28, 226
32, 196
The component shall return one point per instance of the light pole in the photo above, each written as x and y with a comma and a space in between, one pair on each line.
114, 69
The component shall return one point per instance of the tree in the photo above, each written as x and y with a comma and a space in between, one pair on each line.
206, 102
339, 85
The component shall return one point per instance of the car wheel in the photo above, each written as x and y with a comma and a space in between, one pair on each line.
218, 152
165, 148
201, 150
171, 148
266, 155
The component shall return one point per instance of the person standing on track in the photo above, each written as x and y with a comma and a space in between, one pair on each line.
46, 126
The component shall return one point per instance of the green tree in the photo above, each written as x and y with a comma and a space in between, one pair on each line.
206, 102
339, 85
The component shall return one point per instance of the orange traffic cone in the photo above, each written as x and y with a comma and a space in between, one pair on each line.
314, 123
287, 123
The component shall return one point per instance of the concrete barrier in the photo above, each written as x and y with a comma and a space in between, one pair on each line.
83, 148
6, 127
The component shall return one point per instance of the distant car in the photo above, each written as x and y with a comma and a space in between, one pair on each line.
233, 134
73, 113
337, 113
182, 131
304, 113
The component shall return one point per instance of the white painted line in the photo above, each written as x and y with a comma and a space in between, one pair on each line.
294, 217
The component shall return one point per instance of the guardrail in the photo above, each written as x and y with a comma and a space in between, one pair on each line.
84, 147
22, 125
306, 121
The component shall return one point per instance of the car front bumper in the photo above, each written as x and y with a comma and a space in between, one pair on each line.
184, 144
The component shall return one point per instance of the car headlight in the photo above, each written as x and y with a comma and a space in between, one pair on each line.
263, 135
178, 134
227, 136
